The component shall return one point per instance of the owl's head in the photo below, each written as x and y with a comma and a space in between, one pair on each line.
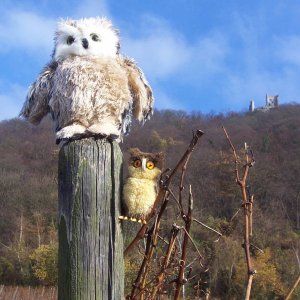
144, 165
86, 37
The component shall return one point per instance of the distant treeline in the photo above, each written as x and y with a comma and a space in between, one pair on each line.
28, 196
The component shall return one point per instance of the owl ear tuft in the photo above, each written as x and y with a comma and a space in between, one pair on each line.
134, 151
160, 156
160, 160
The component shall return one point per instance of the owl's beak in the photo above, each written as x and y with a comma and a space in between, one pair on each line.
85, 43
144, 164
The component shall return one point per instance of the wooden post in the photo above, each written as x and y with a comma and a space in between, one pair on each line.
90, 240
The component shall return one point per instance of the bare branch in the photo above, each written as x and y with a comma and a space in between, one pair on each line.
204, 225
250, 216
234, 153
193, 242
249, 285
297, 257
247, 205
175, 198
140, 235
260, 250
5, 246
232, 218
188, 221
293, 288
161, 275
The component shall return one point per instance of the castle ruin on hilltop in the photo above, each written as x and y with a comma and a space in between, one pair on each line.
271, 102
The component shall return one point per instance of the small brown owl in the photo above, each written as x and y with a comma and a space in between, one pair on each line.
141, 187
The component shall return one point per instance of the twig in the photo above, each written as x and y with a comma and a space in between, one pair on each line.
140, 281
193, 242
260, 250
246, 205
297, 257
140, 235
5, 246
1, 289
250, 216
188, 221
249, 285
188, 152
292, 289
161, 276
175, 198
162, 239
234, 153
190, 264
204, 225
236, 213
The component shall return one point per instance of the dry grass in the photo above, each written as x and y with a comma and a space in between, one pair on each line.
27, 293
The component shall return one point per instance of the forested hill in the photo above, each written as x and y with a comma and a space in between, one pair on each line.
28, 180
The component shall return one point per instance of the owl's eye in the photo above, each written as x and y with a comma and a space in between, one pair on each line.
95, 37
150, 165
137, 163
70, 40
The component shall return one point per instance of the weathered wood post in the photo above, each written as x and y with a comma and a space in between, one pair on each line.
90, 240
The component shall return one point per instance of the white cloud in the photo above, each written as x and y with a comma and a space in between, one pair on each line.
207, 58
234, 65
160, 50
11, 103
163, 101
91, 8
254, 85
288, 49
262, 66
164, 52
23, 29
27, 30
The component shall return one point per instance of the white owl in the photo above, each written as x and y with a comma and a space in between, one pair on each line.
88, 87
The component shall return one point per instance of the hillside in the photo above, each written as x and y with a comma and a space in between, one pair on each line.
28, 196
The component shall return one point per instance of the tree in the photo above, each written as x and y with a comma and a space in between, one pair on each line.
44, 264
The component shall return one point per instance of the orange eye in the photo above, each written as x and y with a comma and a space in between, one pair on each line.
137, 163
150, 165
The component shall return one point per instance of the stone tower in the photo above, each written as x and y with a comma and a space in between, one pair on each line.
271, 101
252, 106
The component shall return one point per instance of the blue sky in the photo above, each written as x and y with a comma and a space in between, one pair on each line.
198, 55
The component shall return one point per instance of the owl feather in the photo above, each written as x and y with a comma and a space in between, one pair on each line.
140, 90
36, 105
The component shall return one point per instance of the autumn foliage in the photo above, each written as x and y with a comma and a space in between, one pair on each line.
28, 198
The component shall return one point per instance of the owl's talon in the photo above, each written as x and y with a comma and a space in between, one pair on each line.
71, 131
113, 136
132, 219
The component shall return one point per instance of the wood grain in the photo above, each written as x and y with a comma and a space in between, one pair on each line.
90, 238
